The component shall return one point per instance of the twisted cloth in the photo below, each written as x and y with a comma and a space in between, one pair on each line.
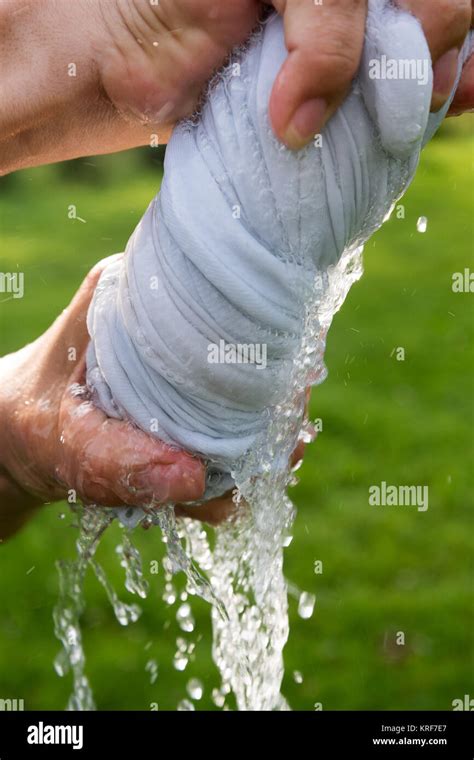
224, 254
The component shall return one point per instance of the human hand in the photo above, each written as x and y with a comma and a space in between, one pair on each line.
464, 97
139, 67
54, 443
325, 46
108, 74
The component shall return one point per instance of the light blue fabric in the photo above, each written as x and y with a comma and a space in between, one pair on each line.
240, 227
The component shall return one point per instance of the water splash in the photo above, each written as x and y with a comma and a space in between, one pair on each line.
125, 613
70, 605
241, 574
93, 521
245, 567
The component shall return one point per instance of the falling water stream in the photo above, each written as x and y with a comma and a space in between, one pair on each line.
241, 574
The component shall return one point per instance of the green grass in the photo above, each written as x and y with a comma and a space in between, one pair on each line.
406, 422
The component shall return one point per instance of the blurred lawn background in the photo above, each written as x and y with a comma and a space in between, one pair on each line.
385, 569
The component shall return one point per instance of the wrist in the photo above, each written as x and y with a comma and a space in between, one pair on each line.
17, 505
24, 453
62, 111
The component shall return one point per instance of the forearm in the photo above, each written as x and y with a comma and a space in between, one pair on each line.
68, 135
53, 104
16, 505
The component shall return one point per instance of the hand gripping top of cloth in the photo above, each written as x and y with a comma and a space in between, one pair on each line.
224, 252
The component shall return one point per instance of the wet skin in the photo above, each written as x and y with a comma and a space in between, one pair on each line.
141, 67
56, 444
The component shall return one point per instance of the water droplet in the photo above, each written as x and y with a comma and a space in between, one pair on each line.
185, 618
422, 224
169, 594
306, 605
180, 662
152, 668
195, 688
61, 664
297, 676
218, 698
185, 704
131, 562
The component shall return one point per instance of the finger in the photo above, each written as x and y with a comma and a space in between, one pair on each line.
212, 512
445, 24
83, 296
464, 97
324, 45
111, 462
68, 338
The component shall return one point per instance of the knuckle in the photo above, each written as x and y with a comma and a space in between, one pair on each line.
335, 67
455, 16
462, 13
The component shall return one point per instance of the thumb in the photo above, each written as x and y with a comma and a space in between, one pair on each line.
324, 43
67, 338
111, 462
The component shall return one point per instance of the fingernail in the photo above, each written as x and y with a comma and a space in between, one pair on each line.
444, 76
307, 121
